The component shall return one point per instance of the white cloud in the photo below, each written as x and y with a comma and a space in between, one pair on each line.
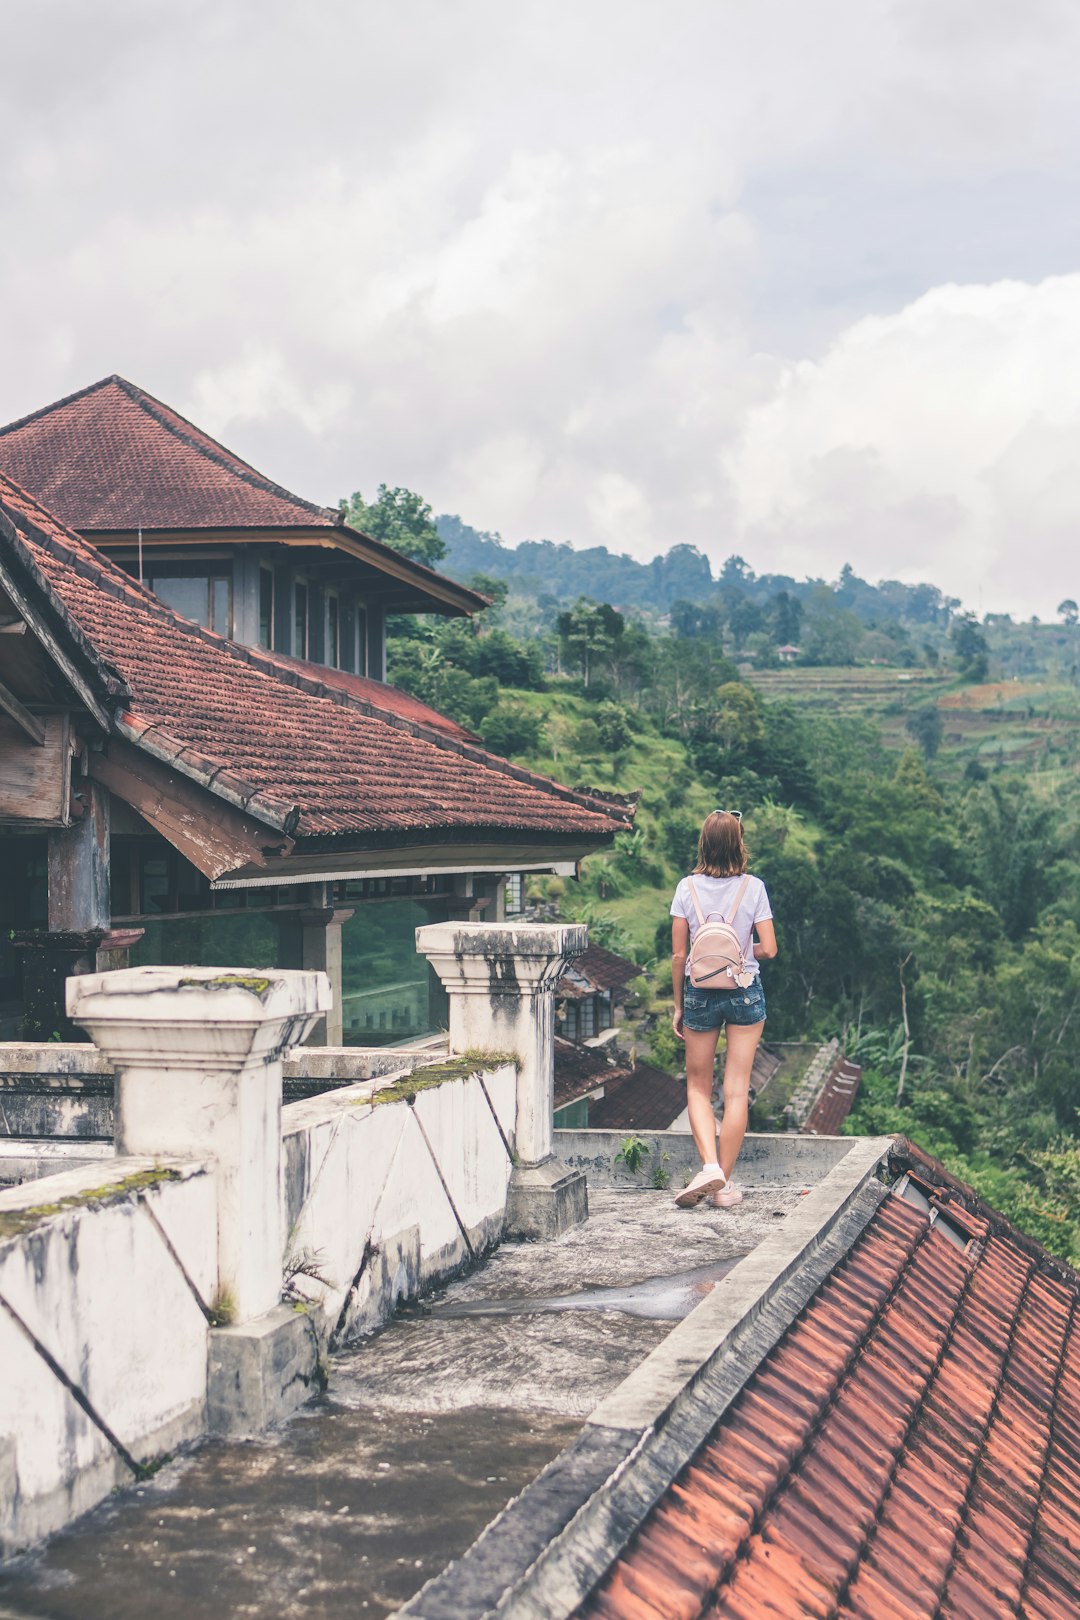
937, 442
599, 273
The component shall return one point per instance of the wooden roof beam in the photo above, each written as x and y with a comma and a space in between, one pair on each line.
27, 722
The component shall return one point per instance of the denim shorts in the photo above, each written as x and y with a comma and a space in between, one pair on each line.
709, 1009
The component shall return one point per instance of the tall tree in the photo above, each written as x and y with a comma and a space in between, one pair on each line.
399, 518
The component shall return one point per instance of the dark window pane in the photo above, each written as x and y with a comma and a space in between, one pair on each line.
154, 884
388, 992
191, 597
246, 940
333, 649
300, 622
221, 599
266, 608
361, 642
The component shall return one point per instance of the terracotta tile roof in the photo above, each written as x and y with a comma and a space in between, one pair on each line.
835, 1100
602, 969
377, 696
910, 1447
578, 1070
641, 1098
317, 762
111, 458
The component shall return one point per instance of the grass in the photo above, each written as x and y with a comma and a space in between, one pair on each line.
16, 1222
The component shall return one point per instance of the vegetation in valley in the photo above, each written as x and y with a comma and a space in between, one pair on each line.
909, 780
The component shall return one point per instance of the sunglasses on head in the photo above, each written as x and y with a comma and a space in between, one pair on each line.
736, 813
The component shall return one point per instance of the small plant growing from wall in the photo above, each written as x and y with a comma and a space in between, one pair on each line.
633, 1153
661, 1176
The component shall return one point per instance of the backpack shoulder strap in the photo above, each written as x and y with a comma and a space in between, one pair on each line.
738, 899
697, 902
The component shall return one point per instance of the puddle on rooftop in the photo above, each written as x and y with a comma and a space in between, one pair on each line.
665, 1299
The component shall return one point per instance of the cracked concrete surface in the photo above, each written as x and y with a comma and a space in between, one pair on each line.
428, 1429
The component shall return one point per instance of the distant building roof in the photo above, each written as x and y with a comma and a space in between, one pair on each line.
639, 1098
597, 969
835, 1099
910, 1445
579, 1070
111, 460
312, 759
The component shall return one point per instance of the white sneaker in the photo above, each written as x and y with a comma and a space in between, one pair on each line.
727, 1197
704, 1183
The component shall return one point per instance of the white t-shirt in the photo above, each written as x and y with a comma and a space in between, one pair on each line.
716, 896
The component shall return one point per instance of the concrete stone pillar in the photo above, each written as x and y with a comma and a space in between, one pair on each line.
197, 1053
501, 979
322, 954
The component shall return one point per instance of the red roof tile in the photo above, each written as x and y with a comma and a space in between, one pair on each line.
319, 761
910, 1447
377, 696
835, 1100
641, 1098
602, 969
111, 458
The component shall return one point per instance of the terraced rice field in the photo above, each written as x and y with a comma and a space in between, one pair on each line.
1026, 723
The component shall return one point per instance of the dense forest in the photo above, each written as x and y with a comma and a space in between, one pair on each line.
910, 791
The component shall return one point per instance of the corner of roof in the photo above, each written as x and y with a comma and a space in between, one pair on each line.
114, 688
59, 404
423, 569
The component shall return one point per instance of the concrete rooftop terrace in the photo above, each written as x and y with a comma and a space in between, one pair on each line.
430, 1427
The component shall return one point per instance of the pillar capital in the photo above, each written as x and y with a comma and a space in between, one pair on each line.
196, 1017
501, 959
197, 1053
501, 979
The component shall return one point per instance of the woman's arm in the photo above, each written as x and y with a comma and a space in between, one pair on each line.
765, 946
680, 947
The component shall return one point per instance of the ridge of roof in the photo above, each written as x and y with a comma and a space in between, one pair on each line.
182, 429
205, 444
91, 565
331, 810
308, 514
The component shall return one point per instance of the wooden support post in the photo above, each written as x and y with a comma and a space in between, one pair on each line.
79, 867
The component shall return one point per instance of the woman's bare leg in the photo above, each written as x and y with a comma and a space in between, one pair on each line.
700, 1057
742, 1043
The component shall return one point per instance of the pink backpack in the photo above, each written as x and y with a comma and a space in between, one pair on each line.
717, 959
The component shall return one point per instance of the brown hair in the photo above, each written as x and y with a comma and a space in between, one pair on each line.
721, 851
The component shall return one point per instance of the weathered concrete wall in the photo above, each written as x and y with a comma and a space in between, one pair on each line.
107, 1276
387, 1190
773, 1159
57, 1089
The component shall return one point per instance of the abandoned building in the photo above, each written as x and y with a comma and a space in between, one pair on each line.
208, 767
855, 1394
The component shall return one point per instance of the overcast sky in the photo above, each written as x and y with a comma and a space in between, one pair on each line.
798, 280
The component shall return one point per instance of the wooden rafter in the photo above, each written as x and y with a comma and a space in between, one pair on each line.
27, 722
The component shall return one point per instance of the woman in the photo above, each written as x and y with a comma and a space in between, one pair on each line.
719, 883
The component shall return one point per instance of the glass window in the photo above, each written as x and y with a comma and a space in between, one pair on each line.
333, 634
361, 641
154, 886
187, 596
249, 939
300, 620
389, 992
221, 606
266, 607
205, 598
